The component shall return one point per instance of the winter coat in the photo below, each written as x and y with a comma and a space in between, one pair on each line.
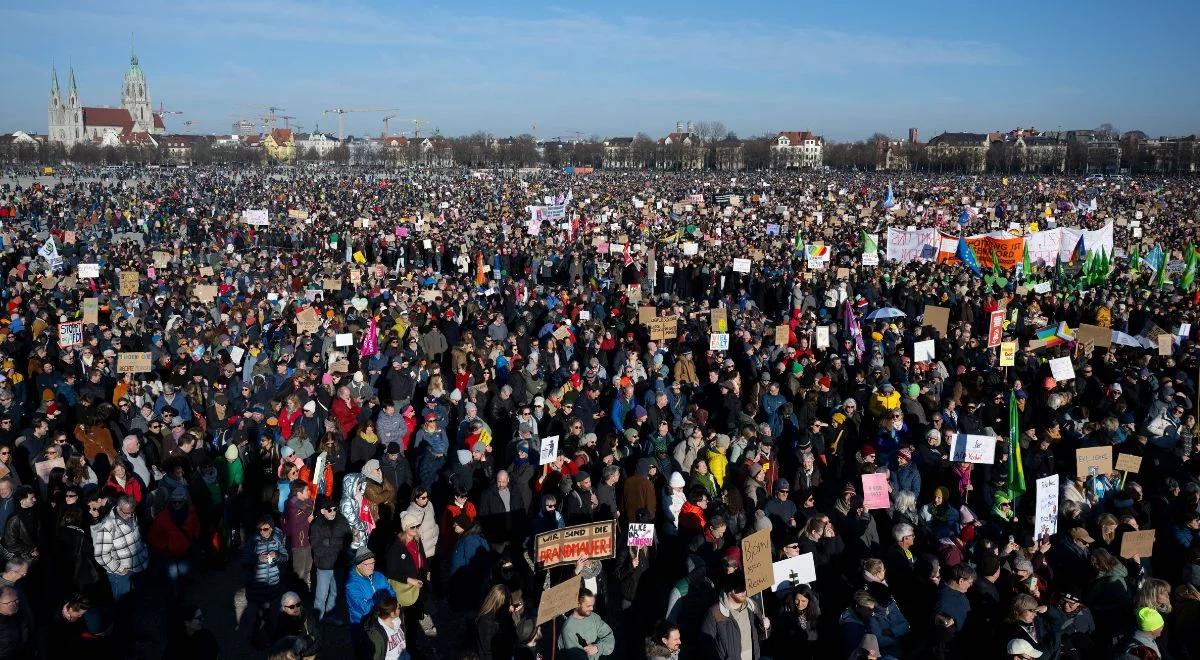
428, 530
264, 578
170, 539
118, 545
360, 593
328, 539
720, 634
351, 508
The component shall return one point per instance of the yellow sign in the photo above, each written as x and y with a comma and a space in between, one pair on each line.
1008, 353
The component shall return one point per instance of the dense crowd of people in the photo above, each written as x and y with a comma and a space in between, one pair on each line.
368, 392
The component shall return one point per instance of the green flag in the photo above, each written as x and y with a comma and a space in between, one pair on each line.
799, 241
1160, 277
1016, 469
868, 244
1189, 269
1026, 265
996, 270
1135, 262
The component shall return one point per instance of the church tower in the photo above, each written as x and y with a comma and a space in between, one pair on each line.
135, 97
73, 114
56, 131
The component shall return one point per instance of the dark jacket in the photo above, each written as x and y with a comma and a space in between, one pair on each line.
721, 638
329, 538
500, 525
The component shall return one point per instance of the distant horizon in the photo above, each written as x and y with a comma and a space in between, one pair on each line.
614, 71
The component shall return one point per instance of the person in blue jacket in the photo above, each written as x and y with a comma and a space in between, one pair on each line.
363, 585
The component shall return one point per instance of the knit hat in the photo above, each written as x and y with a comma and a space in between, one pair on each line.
914, 390
371, 470
409, 520
839, 418
676, 480
1149, 619
310, 407
362, 555
392, 448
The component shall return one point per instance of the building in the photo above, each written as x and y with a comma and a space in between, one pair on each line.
797, 149
727, 155
914, 136
19, 146
959, 151
321, 143
245, 127
179, 148
681, 150
280, 144
71, 123
1041, 153
618, 153
890, 155
1093, 151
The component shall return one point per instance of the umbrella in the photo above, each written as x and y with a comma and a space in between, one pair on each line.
885, 313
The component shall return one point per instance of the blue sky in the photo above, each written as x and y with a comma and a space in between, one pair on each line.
844, 70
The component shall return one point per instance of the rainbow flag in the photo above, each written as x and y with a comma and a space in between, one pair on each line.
1055, 335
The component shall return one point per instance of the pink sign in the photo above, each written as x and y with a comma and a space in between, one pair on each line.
401, 231
875, 491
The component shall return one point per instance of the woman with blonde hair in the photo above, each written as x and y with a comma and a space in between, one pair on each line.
495, 627
1036, 624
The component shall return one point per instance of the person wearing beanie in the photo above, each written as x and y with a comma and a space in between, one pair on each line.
1143, 643
905, 476
329, 536
363, 585
780, 508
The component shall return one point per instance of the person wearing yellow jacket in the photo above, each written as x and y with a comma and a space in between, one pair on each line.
718, 460
884, 400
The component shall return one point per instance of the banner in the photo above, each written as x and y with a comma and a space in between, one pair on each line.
1008, 249
570, 544
70, 334
995, 328
552, 212
256, 217
903, 245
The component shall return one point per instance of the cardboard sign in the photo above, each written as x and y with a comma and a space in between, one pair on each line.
641, 535
133, 363
127, 283
1046, 509
783, 333
995, 328
756, 561
562, 332
297, 214
206, 271
205, 292
974, 449
875, 491
548, 450
343, 339
718, 320
70, 334
1098, 336
1062, 369
307, 321
937, 318
91, 310
339, 366
161, 259
1087, 458
331, 284
924, 351
89, 271
1008, 353
1166, 345
562, 597
1140, 543
646, 314
1128, 463
570, 544
787, 573
663, 327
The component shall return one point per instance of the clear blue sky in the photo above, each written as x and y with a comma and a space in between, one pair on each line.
844, 70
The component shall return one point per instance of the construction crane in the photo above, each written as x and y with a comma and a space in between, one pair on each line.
341, 113
161, 111
188, 126
418, 124
386, 130
285, 119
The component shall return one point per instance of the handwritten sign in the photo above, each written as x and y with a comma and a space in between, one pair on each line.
783, 333
307, 321
663, 327
133, 363
974, 449
718, 341
641, 535
70, 334
756, 561
719, 320
91, 310
560, 598
127, 283
161, 259
741, 266
44, 468
1088, 458
1098, 336
1046, 509
875, 491
937, 318
787, 573
206, 271
1140, 543
823, 337
256, 217
570, 544
89, 271
331, 284
548, 450
1062, 369
1008, 353
1166, 345
1128, 463
205, 292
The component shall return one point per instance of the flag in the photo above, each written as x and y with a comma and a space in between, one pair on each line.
1160, 278
799, 241
480, 276
1016, 470
1049, 336
891, 200
1189, 268
853, 330
1155, 258
1080, 251
1135, 262
1026, 266
869, 244
967, 255
996, 270
370, 342
964, 217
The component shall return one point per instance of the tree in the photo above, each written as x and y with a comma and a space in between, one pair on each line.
642, 149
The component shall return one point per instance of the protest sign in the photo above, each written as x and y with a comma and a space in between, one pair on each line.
307, 321
783, 334
560, 598
1008, 353
1128, 463
870, 259
1093, 458
205, 292
343, 339
91, 310
297, 214
823, 336
974, 448
127, 283
206, 271
641, 535
256, 217
646, 314
923, 351
1139, 543
548, 450
663, 327
161, 259
741, 265
236, 353
756, 561
1062, 369
133, 363
787, 573
89, 271
1166, 345
70, 334
719, 320
1046, 509
937, 318
1096, 335
331, 284
43, 468
718, 341
875, 491
995, 328
570, 544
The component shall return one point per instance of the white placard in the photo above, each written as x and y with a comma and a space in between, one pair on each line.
974, 449
1062, 369
690, 249
669, 270
256, 217
822, 336
641, 535
1045, 519
344, 339
585, 315
870, 259
1185, 329
741, 265
924, 351
89, 271
795, 570
718, 341
236, 353
549, 450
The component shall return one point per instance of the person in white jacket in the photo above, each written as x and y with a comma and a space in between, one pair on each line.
423, 510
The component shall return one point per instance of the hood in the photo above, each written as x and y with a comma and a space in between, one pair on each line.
643, 467
350, 483
464, 456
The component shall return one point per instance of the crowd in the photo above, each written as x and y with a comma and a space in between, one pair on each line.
369, 392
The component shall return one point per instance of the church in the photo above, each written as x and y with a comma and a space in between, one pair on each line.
132, 124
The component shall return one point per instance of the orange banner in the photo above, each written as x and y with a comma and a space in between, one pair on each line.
1008, 250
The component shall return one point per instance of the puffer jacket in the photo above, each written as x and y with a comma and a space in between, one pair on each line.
328, 538
264, 577
350, 508
391, 428
429, 527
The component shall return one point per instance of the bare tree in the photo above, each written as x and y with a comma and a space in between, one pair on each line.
710, 131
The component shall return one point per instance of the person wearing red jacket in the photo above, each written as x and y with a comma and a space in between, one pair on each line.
173, 534
288, 416
122, 479
691, 516
345, 410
